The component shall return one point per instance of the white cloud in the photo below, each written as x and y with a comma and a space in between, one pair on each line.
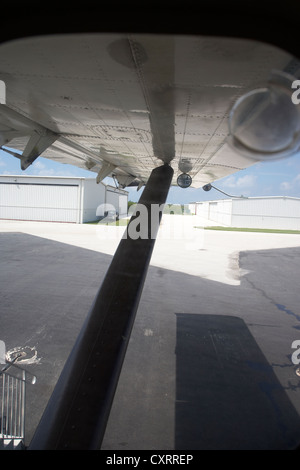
290, 185
229, 182
246, 181
241, 182
38, 165
39, 168
286, 186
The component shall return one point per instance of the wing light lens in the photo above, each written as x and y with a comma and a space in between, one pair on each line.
264, 124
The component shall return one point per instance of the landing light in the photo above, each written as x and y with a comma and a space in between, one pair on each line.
264, 124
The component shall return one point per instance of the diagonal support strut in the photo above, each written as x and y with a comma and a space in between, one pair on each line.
78, 410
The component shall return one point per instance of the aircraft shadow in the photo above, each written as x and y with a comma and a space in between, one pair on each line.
228, 397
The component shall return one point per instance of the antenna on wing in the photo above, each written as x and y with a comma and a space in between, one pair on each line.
208, 187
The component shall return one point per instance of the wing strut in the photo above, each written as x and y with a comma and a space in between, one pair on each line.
78, 410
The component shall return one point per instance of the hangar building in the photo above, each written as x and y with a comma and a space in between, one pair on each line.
276, 212
58, 199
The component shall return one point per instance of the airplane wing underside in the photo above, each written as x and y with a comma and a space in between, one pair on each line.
124, 104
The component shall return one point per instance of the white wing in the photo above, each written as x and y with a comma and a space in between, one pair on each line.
123, 104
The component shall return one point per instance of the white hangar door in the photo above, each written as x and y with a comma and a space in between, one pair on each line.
40, 202
118, 201
123, 205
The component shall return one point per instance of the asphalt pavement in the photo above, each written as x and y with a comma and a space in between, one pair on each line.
210, 360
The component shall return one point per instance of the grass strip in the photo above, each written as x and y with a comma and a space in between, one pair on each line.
260, 230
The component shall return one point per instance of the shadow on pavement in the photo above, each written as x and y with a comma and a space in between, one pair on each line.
228, 396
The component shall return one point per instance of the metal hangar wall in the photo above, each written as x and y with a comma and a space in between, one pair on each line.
273, 212
57, 199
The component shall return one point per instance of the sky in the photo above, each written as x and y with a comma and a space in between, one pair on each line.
273, 178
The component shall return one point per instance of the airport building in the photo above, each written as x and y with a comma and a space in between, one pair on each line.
254, 212
58, 199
